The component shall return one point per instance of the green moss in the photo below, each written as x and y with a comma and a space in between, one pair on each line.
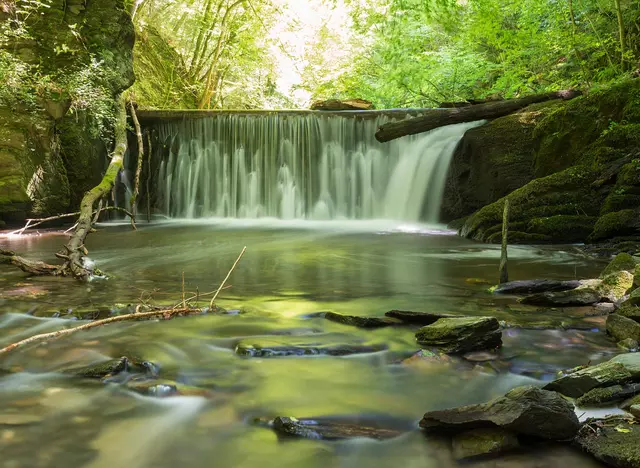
569, 228
622, 261
613, 224
599, 396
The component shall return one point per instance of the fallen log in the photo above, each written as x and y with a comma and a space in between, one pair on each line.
440, 117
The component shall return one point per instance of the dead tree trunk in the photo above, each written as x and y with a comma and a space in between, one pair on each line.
440, 117
136, 184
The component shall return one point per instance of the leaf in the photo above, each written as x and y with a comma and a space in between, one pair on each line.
622, 429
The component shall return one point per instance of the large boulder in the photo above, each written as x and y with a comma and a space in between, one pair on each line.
461, 334
524, 410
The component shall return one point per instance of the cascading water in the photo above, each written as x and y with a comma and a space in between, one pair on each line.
300, 166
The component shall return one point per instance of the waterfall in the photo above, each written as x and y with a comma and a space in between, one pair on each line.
299, 166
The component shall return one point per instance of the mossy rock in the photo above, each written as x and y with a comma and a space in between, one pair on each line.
615, 441
483, 443
571, 185
619, 223
461, 334
615, 285
622, 328
621, 262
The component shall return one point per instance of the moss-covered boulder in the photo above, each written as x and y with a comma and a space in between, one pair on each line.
586, 168
615, 441
461, 334
607, 395
617, 371
622, 328
630, 311
621, 262
523, 410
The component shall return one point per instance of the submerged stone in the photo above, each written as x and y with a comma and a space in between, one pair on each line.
326, 429
608, 395
535, 286
523, 410
482, 443
276, 349
623, 328
614, 441
361, 322
575, 297
417, 318
461, 334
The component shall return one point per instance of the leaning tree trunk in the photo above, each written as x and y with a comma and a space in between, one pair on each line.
75, 249
440, 117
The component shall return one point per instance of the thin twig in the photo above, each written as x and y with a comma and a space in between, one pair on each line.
166, 314
33, 222
183, 302
226, 277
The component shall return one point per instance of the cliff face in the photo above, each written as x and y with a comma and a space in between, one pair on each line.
571, 171
62, 67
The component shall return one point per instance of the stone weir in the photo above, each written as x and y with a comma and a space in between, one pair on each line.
296, 164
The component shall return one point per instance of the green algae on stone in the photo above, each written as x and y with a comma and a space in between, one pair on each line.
360, 321
622, 328
325, 429
621, 262
608, 395
482, 443
580, 382
461, 334
614, 441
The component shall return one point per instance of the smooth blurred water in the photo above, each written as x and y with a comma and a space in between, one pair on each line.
307, 166
291, 269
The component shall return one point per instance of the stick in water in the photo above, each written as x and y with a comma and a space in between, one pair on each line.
504, 275
226, 278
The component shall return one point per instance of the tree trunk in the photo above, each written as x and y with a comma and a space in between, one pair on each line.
440, 117
136, 183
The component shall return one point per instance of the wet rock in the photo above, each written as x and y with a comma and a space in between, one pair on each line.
621, 262
483, 443
607, 395
461, 334
635, 411
523, 410
614, 441
614, 286
113, 367
417, 318
330, 430
361, 322
623, 328
575, 297
633, 401
535, 286
426, 358
617, 371
634, 298
629, 311
266, 349
630, 345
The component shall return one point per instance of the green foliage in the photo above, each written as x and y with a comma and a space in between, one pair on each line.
417, 53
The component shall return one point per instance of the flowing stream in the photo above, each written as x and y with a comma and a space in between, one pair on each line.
290, 271
357, 235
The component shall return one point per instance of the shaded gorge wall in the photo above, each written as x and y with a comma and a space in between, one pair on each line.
296, 165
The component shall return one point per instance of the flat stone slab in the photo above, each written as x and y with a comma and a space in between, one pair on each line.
573, 297
361, 322
275, 348
619, 370
606, 396
417, 318
614, 441
327, 429
461, 334
535, 286
524, 410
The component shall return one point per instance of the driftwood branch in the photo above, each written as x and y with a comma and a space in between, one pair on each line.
440, 117
213, 299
